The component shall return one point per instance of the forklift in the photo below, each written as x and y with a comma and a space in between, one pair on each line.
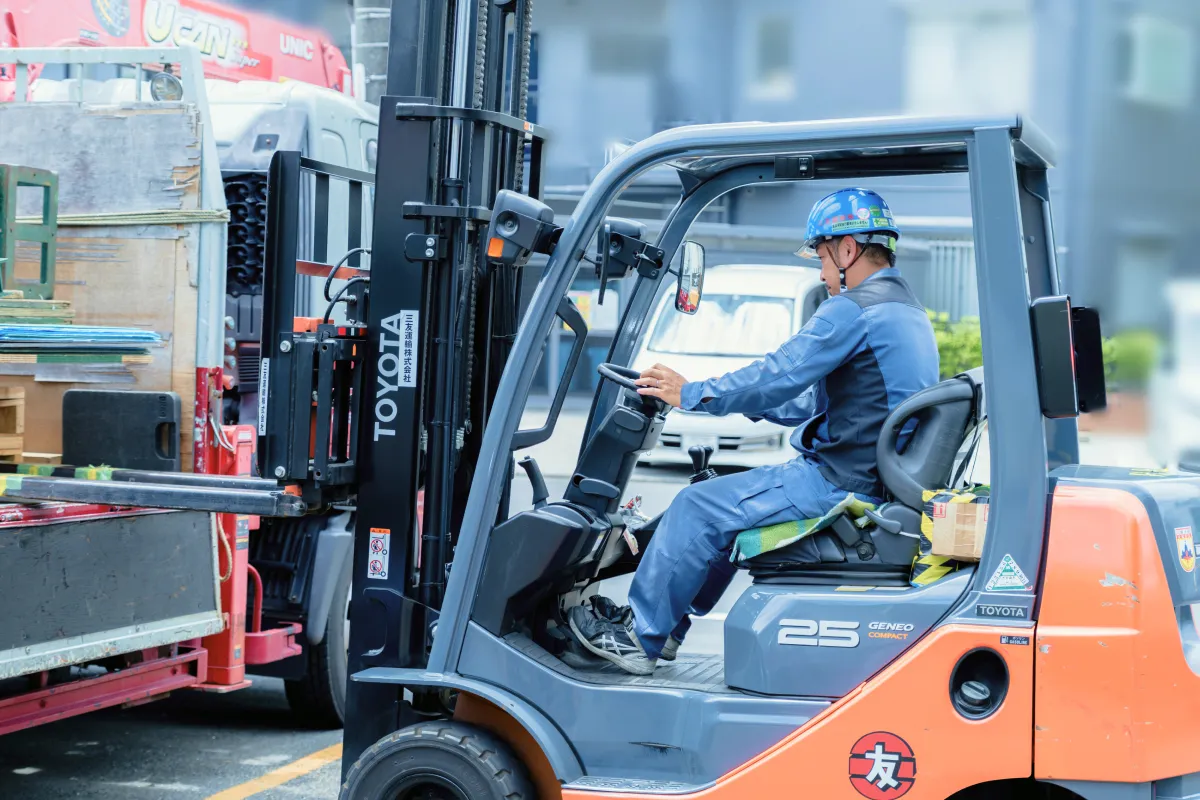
1065, 663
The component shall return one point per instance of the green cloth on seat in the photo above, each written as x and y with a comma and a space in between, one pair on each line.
757, 541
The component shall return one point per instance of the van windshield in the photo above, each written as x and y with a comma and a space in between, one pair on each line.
738, 325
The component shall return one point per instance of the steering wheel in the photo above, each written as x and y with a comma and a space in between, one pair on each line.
621, 376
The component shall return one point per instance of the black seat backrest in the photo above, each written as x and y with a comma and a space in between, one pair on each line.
943, 414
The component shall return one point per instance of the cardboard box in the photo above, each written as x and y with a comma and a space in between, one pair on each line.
959, 529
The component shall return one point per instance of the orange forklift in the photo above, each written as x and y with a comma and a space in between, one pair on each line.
1063, 664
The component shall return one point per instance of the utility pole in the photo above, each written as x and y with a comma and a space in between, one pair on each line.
369, 52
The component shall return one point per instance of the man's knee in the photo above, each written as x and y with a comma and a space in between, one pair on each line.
691, 502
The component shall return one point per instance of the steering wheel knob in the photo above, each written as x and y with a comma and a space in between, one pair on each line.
622, 376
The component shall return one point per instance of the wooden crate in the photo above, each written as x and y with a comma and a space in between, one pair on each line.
130, 276
12, 410
11, 447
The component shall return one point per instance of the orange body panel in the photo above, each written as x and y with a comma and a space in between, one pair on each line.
910, 699
1116, 699
477, 711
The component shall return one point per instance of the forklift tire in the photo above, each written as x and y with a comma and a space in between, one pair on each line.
438, 761
318, 700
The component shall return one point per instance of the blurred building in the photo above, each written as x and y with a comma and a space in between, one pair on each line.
1113, 82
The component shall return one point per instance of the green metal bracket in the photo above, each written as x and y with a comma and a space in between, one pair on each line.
44, 233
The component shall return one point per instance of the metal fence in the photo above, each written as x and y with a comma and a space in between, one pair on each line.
950, 286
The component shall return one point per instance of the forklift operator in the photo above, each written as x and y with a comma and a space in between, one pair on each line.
864, 351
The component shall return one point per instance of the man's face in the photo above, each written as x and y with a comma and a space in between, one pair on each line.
832, 253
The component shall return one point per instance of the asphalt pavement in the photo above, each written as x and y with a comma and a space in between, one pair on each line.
190, 745
247, 744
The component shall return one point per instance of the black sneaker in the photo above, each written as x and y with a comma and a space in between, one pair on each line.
610, 640
620, 614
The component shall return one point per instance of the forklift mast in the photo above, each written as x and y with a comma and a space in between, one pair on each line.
439, 323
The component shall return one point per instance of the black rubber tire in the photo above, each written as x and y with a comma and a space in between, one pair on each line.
477, 764
318, 700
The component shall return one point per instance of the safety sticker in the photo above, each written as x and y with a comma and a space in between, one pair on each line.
1186, 548
1008, 577
377, 556
882, 766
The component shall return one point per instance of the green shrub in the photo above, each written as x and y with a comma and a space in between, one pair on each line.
959, 343
1129, 356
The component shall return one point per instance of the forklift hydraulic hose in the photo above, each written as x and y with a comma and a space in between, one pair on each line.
329, 280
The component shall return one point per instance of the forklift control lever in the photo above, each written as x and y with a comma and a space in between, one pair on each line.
540, 493
889, 525
700, 454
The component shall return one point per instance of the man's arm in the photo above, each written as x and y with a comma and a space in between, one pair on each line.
831, 335
792, 413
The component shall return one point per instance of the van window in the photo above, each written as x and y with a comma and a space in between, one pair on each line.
732, 325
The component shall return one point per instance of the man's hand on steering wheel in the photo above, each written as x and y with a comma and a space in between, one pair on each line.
662, 382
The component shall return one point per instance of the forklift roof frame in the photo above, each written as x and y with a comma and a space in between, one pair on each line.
1006, 160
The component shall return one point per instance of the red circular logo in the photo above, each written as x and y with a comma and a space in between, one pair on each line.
882, 766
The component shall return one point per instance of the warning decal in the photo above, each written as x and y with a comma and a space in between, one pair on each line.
882, 766
377, 553
1008, 577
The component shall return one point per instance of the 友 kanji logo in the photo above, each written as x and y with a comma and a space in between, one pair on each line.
882, 766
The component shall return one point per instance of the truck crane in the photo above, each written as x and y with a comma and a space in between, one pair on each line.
462, 683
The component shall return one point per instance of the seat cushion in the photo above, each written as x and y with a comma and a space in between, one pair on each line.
757, 541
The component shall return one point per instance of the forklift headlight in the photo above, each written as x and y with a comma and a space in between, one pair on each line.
520, 226
166, 88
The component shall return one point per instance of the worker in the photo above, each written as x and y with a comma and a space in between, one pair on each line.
863, 352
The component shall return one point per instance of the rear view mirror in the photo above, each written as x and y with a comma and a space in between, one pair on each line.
691, 278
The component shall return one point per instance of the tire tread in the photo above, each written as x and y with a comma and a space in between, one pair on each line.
506, 770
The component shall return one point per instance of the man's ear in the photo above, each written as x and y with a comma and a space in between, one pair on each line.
848, 248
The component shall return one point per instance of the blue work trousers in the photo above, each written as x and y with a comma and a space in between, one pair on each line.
686, 567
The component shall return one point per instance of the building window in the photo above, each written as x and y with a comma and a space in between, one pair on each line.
968, 58
772, 77
1156, 62
1143, 269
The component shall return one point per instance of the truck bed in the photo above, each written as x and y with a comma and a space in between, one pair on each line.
87, 582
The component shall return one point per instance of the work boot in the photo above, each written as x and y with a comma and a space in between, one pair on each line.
614, 613
612, 641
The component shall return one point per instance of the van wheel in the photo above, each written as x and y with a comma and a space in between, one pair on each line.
318, 700
438, 761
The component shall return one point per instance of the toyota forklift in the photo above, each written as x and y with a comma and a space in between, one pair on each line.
1065, 663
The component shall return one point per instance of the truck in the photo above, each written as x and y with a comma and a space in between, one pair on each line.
234, 45
293, 571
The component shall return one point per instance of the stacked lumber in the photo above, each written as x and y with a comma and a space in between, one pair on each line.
42, 332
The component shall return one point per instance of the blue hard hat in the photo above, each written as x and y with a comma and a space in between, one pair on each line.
860, 213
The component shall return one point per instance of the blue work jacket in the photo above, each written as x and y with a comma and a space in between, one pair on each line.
859, 356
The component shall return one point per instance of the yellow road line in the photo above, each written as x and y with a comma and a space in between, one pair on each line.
278, 777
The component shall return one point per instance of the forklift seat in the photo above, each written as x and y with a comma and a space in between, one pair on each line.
916, 452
